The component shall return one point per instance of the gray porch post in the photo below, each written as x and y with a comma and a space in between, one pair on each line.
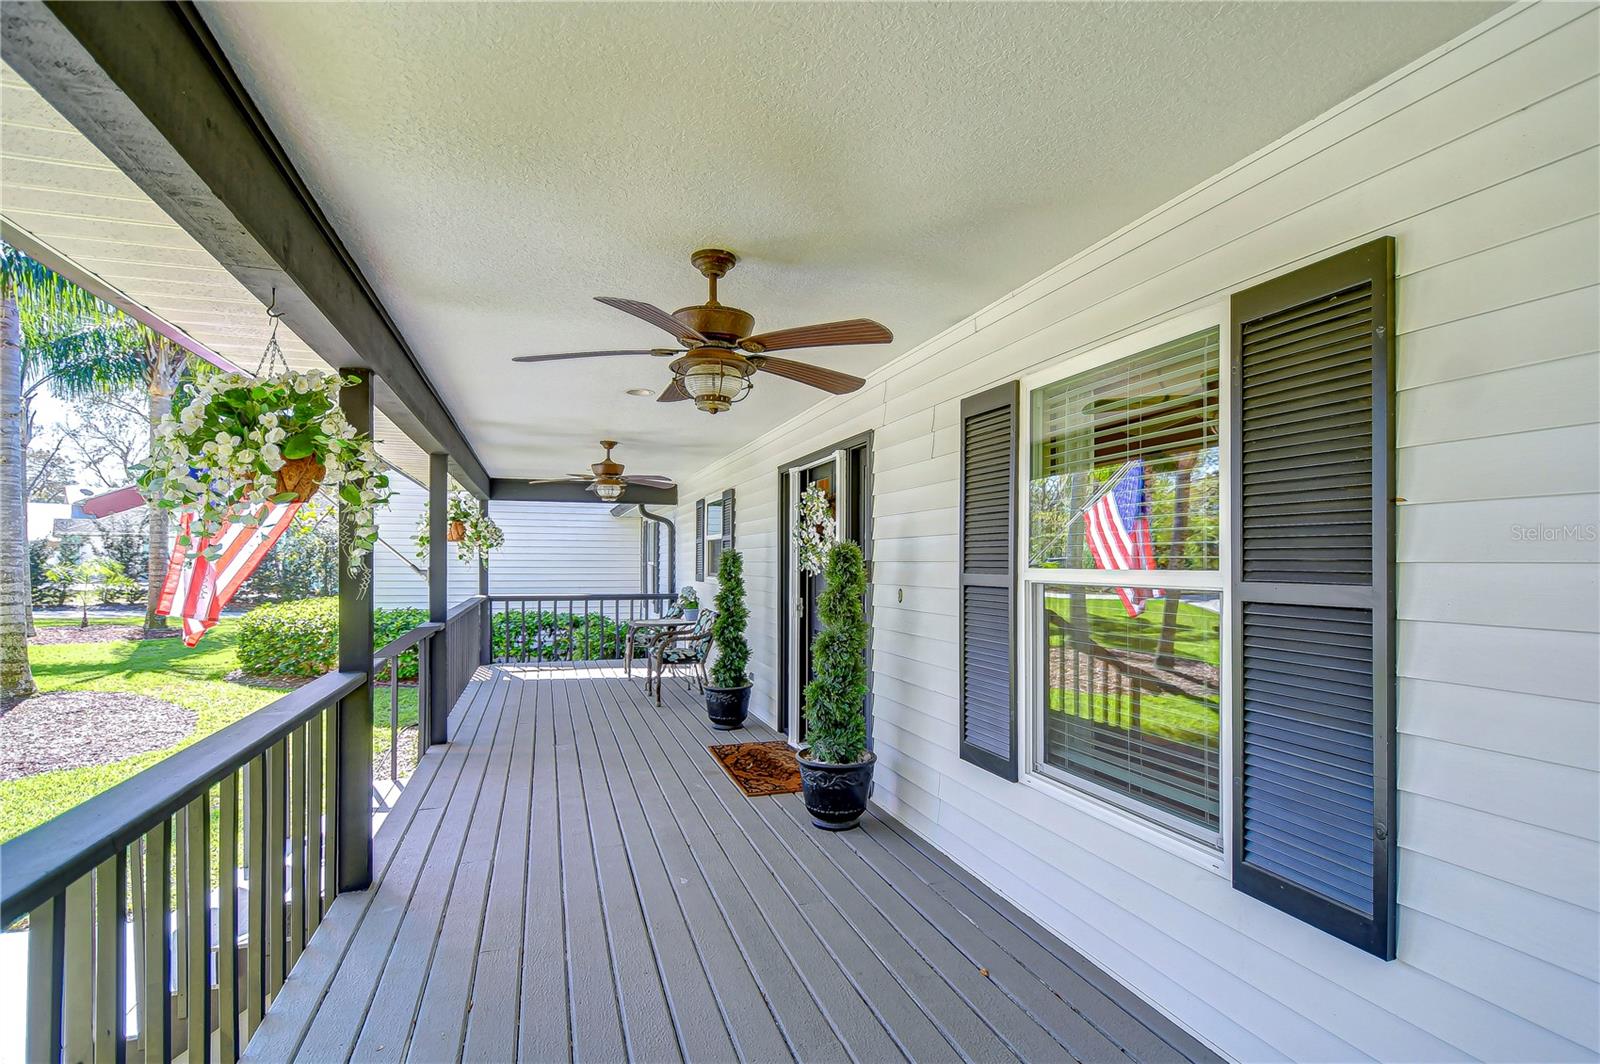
486, 654
438, 598
353, 781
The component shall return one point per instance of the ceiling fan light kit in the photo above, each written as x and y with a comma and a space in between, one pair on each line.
720, 355
606, 478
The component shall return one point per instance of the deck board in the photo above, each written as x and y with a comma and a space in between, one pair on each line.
574, 877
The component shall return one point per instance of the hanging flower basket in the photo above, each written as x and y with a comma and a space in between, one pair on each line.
466, 525
300, 478
244, 441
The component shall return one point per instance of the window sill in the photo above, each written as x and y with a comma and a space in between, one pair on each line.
1170, 841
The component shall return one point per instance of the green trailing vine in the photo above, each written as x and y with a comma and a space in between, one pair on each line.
727, 629
836, 698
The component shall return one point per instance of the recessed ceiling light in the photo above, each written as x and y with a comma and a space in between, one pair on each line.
643, 393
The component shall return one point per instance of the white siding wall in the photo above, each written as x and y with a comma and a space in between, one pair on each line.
1481, 159
551, 547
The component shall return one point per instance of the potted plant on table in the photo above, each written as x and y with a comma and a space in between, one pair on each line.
836, 766
689, 603
728, 694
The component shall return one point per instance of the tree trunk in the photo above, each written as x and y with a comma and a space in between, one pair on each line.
160, 407
22, 489
1180, 534
16, 678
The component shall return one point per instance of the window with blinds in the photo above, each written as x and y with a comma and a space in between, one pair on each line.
1133, 702
1124, 509
1141, 433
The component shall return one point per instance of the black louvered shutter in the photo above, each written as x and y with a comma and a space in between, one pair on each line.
1312, 624
727, 520
988, 580
700, 540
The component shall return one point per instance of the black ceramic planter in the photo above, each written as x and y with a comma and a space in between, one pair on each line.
727, 706
836, 795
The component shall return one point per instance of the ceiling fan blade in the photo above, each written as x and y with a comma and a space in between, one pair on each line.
828, 334
649, 481
579, 354
673, 393
655, 316
829, 380
568, 479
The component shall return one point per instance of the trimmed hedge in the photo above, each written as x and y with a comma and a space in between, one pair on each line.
302, 638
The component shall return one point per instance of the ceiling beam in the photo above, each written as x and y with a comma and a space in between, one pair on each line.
511, 490
150, 87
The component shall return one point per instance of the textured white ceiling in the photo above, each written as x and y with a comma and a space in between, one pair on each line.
492, 167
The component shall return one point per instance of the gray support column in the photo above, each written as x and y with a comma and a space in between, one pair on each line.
438, 598
353, 779
486, 611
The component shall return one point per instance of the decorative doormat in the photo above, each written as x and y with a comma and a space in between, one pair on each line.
759, 768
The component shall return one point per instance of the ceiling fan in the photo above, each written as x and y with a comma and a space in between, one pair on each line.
721, 351
607, 480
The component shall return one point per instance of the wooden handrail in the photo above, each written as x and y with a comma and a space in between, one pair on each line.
42, 863
404, 642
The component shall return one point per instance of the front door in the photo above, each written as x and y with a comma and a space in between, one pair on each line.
842, 474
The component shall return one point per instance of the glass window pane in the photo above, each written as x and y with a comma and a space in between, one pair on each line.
1124, 470
1132, 701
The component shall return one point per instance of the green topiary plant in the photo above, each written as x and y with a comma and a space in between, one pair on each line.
835, 700
727, 629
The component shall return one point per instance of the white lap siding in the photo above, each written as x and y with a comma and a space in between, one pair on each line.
1481, 160
551, 548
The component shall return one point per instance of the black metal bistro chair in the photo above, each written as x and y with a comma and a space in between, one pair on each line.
686, 650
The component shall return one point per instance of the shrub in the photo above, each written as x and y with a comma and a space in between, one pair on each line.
835, 699
727, 629
302, 638
549, 636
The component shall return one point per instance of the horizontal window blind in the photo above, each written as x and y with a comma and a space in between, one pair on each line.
1133, 703
1154, 417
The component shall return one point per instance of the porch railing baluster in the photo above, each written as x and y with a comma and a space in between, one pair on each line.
80, 969
274, 880
197, 915
110, 963
228, 918
296, 830
47, 954
155, 984
255, 859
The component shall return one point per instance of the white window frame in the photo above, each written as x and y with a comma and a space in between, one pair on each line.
1210, 850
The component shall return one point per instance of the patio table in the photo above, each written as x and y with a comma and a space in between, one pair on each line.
661, 623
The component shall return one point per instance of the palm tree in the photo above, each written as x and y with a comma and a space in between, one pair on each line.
79, 356
30, 295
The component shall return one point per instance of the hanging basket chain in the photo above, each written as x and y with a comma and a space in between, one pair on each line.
272, 360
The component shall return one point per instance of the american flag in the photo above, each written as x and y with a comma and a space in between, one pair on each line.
197, 588
1118, 527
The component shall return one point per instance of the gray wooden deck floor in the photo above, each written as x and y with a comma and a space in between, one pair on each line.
574, 877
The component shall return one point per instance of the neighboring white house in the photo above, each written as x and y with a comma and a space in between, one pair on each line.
1480, 160
550, 548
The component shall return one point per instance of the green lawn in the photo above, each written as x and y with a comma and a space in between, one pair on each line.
1196, 638
159, 668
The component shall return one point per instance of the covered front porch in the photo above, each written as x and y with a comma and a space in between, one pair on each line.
575, 875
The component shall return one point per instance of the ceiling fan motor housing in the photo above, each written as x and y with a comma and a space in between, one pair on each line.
717, 322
